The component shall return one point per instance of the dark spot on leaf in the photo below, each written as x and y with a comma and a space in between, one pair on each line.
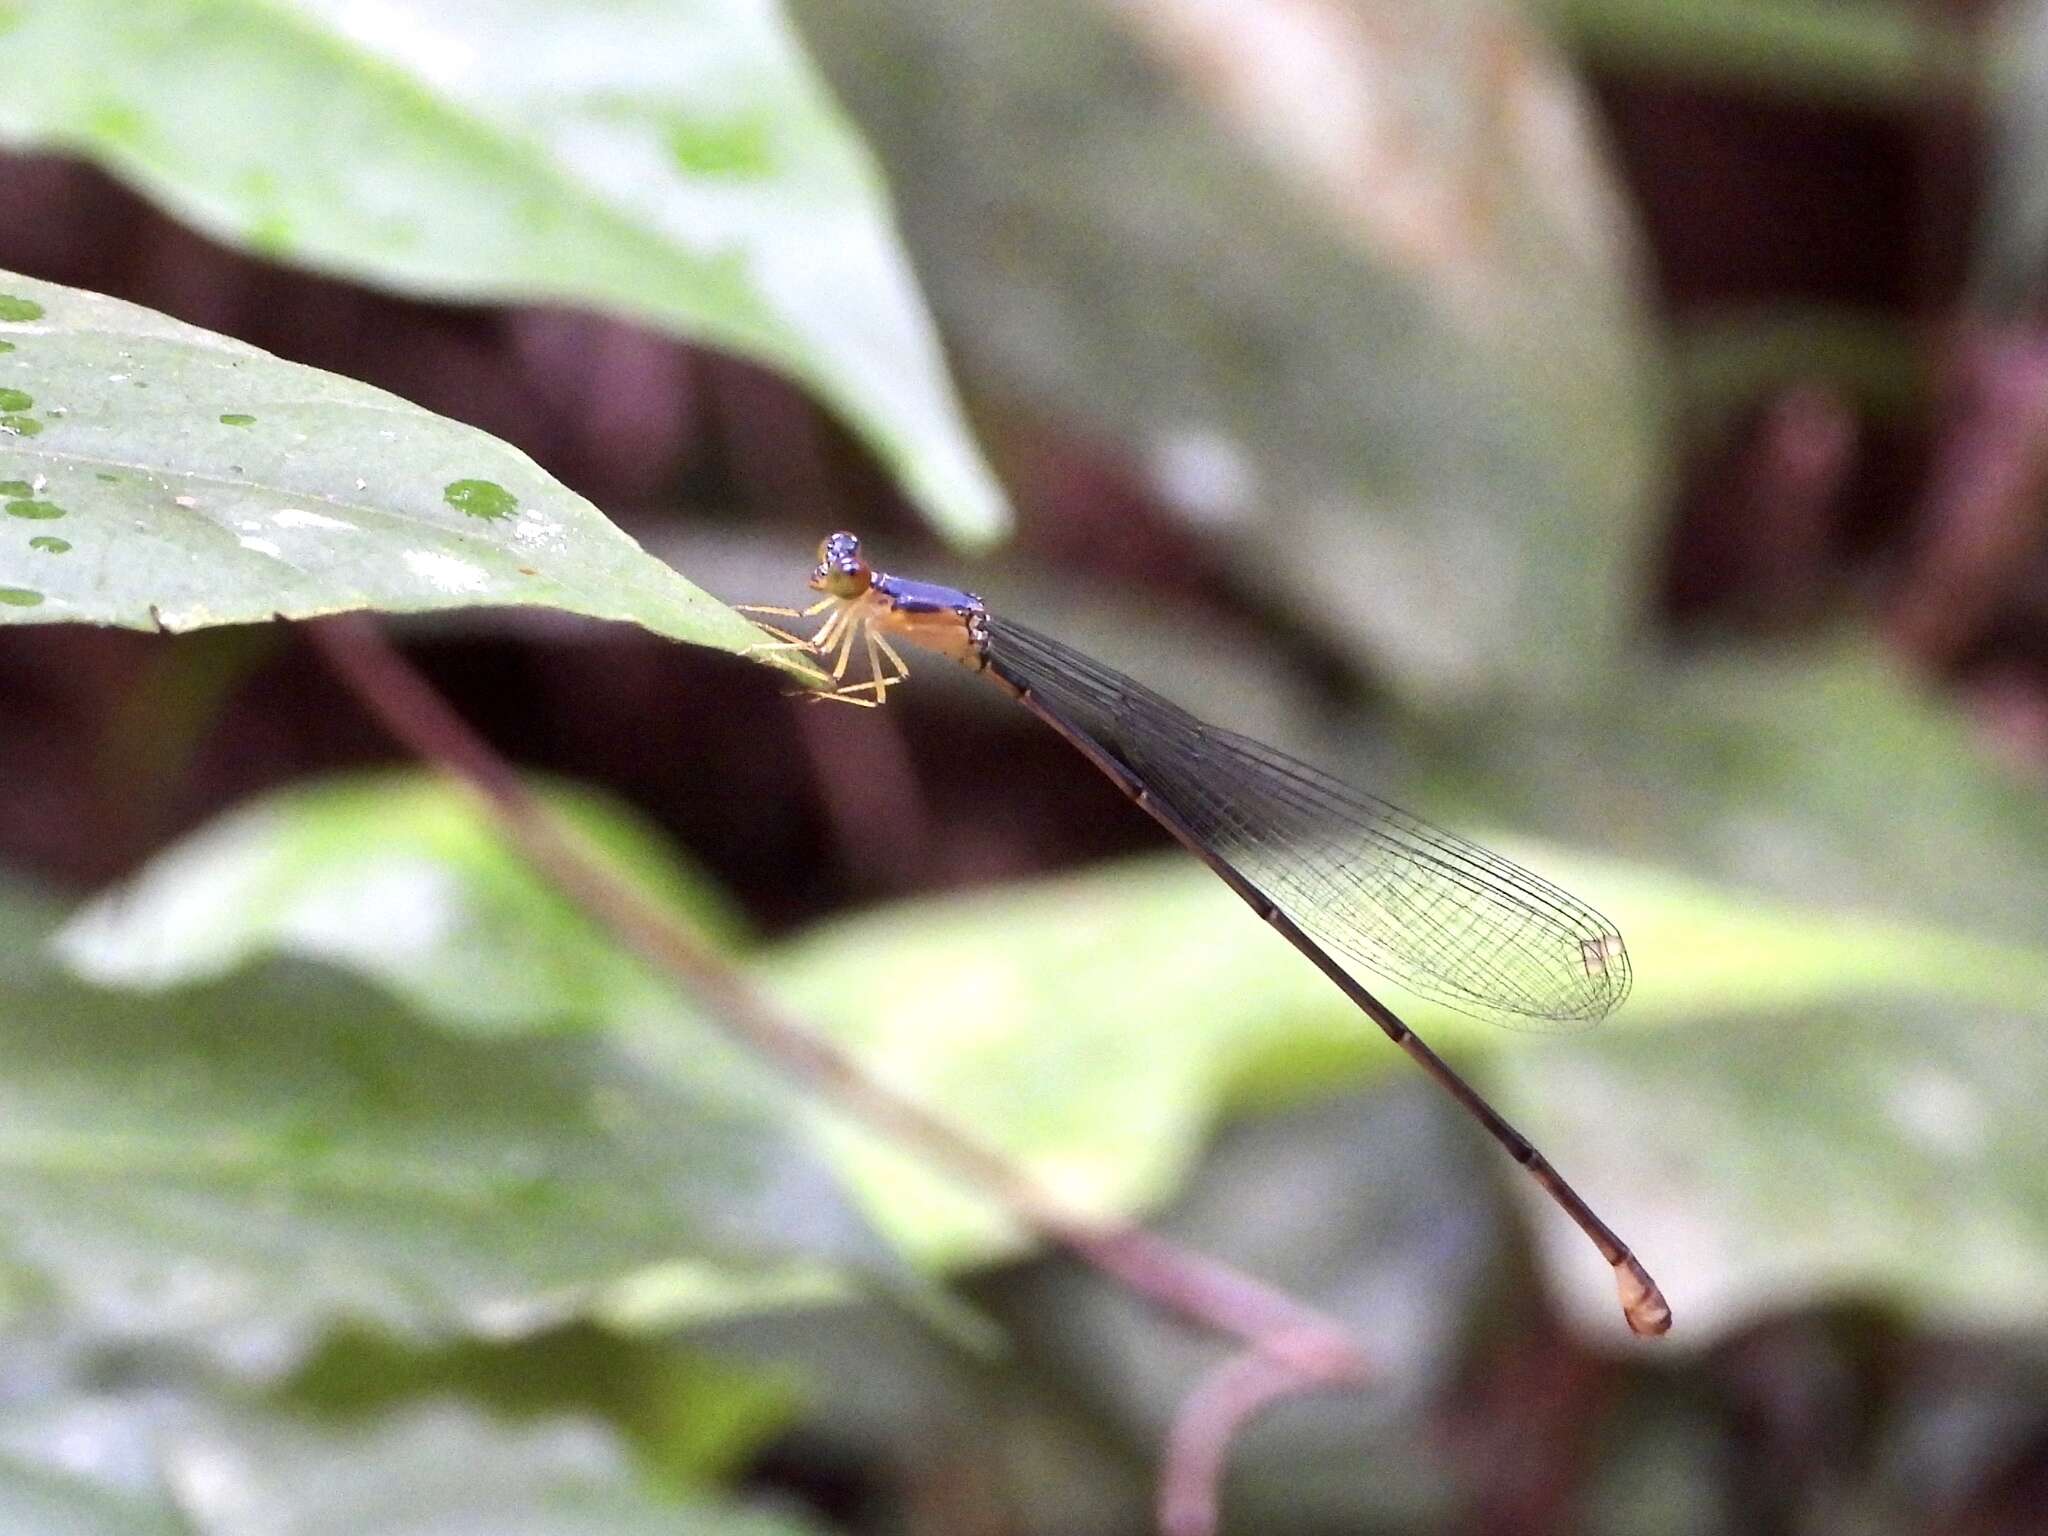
20, 426
16, 400
6, 346
110, 479
237, 419
12, 308
35, 511
16, 488
20, 597
49, 543
480, 498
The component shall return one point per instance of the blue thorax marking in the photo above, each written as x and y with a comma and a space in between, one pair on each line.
925, 596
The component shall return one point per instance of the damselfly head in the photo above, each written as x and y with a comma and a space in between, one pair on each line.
841, 571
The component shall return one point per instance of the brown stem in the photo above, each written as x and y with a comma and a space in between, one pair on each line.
1210, 1418
1296, 1342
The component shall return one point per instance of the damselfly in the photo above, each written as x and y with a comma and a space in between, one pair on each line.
1322, 863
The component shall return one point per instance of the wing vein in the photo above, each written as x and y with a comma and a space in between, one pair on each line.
1401, 898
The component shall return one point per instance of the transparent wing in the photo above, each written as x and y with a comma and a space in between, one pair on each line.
1403, 899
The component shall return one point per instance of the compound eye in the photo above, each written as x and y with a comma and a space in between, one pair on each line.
841, 570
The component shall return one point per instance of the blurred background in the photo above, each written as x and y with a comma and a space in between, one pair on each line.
1617, 428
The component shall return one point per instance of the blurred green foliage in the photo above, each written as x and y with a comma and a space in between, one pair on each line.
1123, 1011
674, 160
285, 1148
341, 1120
1857, 50
439, 1466
1365, 310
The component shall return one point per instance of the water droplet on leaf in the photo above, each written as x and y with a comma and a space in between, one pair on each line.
737, 147
271, 234
117, 122
480, 498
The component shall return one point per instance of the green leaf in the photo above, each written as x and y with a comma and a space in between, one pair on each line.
298, 872
1096, 1027
400, 877
1351, 284
676, 163
447, 1469
37, 1498
1861, 51
336, 497
2012, 233
1727, 361
1873, 1146
696, 1418
1827, 777
1803, 1146
288, 1147
439, 1467
1123, 1010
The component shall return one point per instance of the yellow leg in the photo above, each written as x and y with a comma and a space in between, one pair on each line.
782, 640
832, 620
812, 676
845, 651
881, 678
847, 694
834, 639
828, 632
788, 613
888, 650
879, 685
876, 674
